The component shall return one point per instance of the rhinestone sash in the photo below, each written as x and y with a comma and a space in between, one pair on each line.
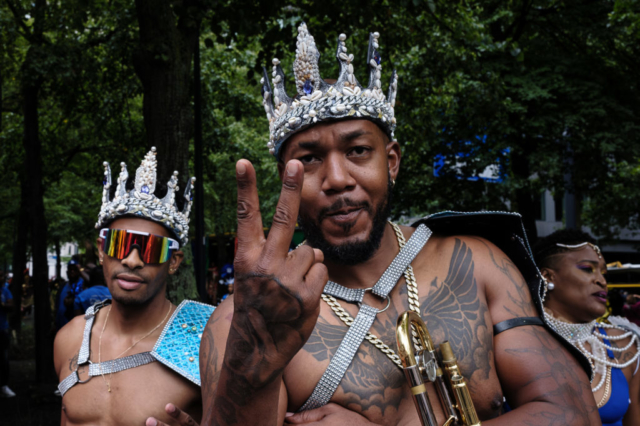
177, 347
341, 361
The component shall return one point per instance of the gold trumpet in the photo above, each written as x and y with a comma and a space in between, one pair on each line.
423, 366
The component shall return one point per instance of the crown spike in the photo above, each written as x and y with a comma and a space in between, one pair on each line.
172, 187
281, 100
266, 96
305, 66
393, 89
374, 59
121, 189
106, 183
145, 183
188, 198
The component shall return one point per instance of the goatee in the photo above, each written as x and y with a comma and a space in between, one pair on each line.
350, 253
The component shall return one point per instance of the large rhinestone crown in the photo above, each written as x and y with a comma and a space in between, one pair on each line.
141, 201
317, 100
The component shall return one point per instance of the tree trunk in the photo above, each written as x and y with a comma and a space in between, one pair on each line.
163, 64
33, 163
19, 262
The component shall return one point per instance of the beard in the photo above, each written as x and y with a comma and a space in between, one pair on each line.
350, 253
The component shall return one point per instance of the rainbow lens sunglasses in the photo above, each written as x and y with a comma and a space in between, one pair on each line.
118, 243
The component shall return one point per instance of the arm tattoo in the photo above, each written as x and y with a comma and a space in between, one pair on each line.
521, 302
453, 311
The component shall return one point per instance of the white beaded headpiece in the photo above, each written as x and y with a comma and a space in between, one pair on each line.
141, 201
318, 101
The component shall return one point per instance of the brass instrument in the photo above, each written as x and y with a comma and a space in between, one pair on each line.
423, 366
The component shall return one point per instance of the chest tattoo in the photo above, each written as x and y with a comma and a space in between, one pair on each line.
372, 379
452, 311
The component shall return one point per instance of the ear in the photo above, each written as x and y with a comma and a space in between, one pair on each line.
101, 254
175, 261
394, 155
548, 274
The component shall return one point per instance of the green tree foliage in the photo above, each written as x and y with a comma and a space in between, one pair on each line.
524, 84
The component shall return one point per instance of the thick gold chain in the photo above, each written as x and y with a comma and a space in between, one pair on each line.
414, 305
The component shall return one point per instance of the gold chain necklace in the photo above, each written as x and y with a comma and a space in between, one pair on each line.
108, 383
414, 305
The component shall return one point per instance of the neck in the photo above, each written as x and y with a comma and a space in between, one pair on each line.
367, 273
138, 319
561, 316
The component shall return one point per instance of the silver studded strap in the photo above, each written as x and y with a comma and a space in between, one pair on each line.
341, 361
89, 316
121, 364
106, 367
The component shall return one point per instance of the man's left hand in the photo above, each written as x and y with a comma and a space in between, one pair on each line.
330, 414
183, 418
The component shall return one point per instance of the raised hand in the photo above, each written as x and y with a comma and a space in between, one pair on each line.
277, 292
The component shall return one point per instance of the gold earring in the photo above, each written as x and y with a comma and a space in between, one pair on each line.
393, 183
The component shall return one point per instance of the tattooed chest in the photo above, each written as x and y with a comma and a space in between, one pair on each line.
452, 309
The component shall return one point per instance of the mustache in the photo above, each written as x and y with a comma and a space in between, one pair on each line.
341, 203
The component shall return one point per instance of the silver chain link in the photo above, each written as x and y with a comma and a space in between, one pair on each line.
414, 305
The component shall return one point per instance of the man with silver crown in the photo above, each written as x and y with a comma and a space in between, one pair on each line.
309, 336
134, 356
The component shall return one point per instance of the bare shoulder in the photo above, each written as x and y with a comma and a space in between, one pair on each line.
221, 315
67, 345
497, 277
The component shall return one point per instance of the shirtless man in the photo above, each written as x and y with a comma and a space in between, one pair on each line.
138, 253
268, 346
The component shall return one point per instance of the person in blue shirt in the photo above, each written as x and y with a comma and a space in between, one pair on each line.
96, 292
66, 297
6, 305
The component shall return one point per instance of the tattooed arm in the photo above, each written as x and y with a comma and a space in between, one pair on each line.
275, 307
542, 382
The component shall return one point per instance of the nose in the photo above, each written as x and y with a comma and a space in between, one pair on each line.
133, 260
337, 177
601, 280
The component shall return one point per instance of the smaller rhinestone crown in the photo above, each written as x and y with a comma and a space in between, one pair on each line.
141, 201
318, 101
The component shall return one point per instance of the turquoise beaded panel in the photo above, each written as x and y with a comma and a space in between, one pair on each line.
178, 347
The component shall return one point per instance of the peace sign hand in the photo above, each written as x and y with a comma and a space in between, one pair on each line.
277, 292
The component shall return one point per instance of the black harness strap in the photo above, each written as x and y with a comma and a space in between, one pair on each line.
516, 322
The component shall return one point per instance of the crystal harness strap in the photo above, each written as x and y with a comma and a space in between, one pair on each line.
112, 366
339, 364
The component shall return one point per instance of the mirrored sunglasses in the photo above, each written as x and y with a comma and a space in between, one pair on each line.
118, 243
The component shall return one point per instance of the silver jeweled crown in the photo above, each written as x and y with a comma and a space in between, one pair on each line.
140, 201
318, 101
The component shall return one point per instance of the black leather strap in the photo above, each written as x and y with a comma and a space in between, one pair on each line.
516, 322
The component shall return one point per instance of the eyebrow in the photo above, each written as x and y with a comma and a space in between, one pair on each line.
343, 137
348, 137
593, 262
308, 144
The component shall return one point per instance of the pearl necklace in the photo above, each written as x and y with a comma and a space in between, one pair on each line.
579, 334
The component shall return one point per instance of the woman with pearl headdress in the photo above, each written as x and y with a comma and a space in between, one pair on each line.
575, 297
